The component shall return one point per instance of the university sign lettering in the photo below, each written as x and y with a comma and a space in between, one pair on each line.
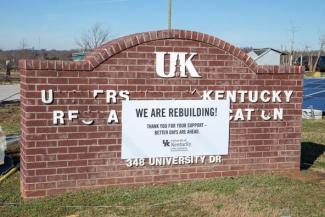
112, 95
142, 104
174, 57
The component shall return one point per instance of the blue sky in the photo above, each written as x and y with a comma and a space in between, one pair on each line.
56, 24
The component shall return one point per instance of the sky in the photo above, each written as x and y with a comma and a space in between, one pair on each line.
57, 24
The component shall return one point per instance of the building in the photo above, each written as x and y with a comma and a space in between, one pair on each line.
266, 56
78, 56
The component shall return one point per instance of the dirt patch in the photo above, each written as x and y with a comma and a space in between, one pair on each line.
312, 175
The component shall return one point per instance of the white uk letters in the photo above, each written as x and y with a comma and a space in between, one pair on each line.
183, 62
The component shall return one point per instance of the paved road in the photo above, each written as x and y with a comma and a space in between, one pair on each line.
9, 92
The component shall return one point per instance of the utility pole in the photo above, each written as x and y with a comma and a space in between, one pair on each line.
169, 14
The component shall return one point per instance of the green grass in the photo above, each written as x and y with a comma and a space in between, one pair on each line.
313, 144
9, 118
312, 75
263, 195
309, 126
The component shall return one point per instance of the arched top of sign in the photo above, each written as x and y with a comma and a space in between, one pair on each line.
115, 46
107, 50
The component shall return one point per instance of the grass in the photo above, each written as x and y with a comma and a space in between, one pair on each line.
300, 194
313, 144
314, 74
264, 195
14, 78
9, 118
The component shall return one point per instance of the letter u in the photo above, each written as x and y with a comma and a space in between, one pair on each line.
160, 64
47, 99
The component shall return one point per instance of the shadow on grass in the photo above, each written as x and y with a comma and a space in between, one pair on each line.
309, 153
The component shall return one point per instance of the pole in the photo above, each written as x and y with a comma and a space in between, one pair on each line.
169, 14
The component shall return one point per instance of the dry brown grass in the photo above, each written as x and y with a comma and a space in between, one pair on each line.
228, 206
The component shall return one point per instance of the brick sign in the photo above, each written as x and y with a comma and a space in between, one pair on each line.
72, 122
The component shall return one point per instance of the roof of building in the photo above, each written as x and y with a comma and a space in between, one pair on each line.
262, 51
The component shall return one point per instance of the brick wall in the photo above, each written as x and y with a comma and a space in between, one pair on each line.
59, 158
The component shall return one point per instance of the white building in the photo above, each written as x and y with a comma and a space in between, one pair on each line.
266, 56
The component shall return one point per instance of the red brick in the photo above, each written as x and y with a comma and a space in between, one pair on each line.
64, 157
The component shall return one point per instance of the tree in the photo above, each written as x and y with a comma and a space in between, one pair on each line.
93, 37
293, 31
321, 43
23, 44
8, 69
309, 56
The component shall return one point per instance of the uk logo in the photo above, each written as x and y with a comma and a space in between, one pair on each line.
166, 143
185, 65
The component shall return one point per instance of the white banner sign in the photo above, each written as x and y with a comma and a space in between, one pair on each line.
171, 128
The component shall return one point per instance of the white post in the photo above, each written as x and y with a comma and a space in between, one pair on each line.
3, 146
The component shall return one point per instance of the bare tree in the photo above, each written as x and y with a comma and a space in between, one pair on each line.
321, 47
23, 44
8, 69
93, 37
293, 31
309, 56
